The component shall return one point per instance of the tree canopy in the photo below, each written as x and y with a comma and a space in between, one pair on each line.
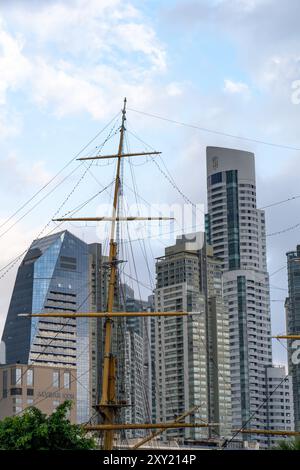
34, 430
289, 444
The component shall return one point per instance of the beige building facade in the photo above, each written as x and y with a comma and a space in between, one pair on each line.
44, 387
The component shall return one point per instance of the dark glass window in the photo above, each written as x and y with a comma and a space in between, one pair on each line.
16, 391
233, 219
208, 228
67, 262
216, 178
231, 176
30, 392
16, 376
4, 384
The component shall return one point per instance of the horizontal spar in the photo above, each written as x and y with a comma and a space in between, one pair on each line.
267, 432
109, 427
287, 337
109, 219
105, 314
101, 157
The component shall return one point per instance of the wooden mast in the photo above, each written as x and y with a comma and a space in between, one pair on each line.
108, 397
108, 405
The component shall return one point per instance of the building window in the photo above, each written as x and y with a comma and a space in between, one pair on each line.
55, 404
16, 391
67, 380
16, 376
233, 219
29, 377
17, 409
55, 382
68, 263
17, 405
4, 384
29, 401
30, 392
216, 178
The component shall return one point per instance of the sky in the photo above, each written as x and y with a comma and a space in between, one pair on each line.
224, 65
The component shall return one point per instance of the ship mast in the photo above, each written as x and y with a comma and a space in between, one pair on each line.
108, 406
108, 397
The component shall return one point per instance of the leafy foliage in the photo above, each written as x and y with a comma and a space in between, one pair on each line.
289, 445
34, 430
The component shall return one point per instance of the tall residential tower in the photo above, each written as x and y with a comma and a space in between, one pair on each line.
192, 361
236, 230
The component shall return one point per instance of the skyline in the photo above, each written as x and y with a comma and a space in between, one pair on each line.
213, 90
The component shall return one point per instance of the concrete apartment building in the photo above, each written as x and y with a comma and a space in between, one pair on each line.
189, 350
135, 392
217, 334
293, 326
45, 387
280, 404
137, 359
236, 231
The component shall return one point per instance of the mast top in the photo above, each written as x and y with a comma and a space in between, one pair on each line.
124, 106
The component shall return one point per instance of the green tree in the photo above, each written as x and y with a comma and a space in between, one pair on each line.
34, 430
289, 445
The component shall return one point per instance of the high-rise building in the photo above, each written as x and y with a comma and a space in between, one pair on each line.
136, 399
293, 327
192, 363
97, 283
236, 230
180, 350
280, 408
217, 337
137, 387
59, 273
2, 353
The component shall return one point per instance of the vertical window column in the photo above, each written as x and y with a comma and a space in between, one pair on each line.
233, 219
243, 340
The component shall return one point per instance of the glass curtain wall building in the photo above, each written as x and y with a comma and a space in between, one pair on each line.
54, 276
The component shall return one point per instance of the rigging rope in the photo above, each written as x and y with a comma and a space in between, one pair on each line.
211, 131
60, 171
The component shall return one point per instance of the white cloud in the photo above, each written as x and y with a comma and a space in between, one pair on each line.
97, 30
66, 91
12, 245
77, 26
174, 89
81, 55
245, 5
16, 174
235, 87
14, 71
14, 66
10, 123
133, 37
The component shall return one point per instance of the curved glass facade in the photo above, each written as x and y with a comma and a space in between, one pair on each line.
54, 276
